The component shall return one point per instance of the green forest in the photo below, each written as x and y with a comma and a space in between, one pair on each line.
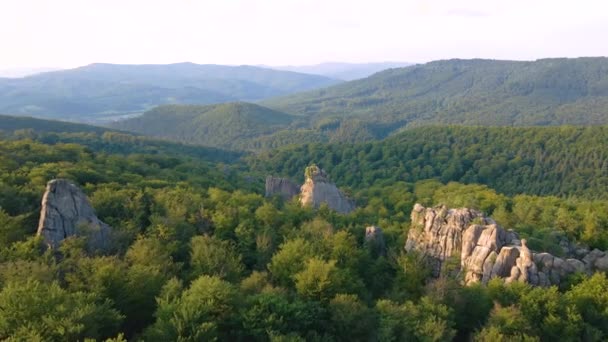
487, 93
199, 249
198, 253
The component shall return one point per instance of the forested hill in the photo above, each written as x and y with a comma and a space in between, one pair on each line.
12, 123
105, 140
547, 92
230, 125
542, 160
101, 91
468, 92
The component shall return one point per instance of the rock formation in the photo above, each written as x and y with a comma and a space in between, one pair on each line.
437, 232
488, 251
318, 189
281, 186
67, 212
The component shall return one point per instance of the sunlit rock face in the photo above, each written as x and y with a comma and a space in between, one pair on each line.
488, 251
66, 212
318, 189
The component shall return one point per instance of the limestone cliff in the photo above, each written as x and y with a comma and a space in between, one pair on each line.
488, 251
318, 189
66, 212
282, 187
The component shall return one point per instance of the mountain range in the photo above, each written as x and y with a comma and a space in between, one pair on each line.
465, 92
102, 92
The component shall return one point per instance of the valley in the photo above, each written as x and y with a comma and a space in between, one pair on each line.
453, 200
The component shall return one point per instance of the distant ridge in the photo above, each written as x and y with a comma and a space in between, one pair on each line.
343, 71
468, 92
103, 92
10, 123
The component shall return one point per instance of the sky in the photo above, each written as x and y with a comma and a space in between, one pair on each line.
70, 33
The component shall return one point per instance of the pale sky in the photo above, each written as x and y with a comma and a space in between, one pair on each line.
70, 33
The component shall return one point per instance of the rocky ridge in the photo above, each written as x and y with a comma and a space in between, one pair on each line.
66, 212
487, 251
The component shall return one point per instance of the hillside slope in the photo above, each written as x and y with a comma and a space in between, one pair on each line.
229, 125
560, 161
9, 124
102, 91
469, 92
103, 139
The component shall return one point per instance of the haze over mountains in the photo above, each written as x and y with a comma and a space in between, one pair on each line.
23, 72
343, 71
99, 92
209, 104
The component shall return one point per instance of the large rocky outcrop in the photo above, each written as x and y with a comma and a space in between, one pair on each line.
437, 232
318, 189
488, 251
282, 187
66, 212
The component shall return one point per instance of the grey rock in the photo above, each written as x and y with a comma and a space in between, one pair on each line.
592, 256
318, 189
488, 267
601, 264
281, 186
505, 261
66, 212
577, 265
488, 251
437, 233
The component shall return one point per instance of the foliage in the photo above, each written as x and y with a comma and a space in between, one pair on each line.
468, 92
200, 254
228, 125
34, 310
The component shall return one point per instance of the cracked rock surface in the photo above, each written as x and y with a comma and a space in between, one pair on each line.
488, 251
317, 189
281, 186
66, 212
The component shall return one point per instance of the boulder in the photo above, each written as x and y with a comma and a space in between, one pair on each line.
601, 264
66, 212
282, 187
318, 189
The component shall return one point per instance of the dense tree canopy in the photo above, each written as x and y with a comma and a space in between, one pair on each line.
199, 254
